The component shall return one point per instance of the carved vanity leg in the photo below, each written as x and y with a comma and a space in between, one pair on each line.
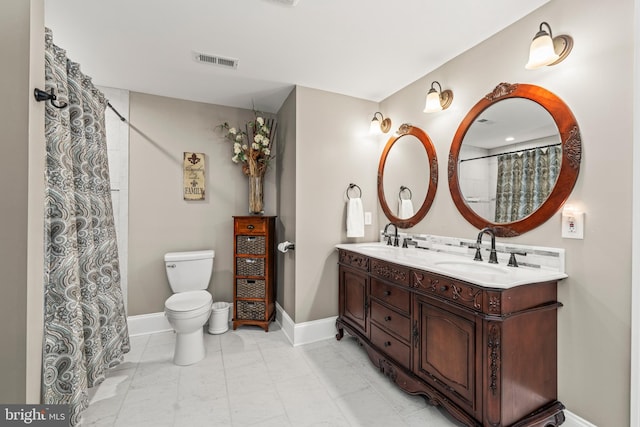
340, 333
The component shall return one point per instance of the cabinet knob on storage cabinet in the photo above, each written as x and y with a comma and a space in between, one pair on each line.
443, 288
387, 293
251, 226
387, 344
387, 319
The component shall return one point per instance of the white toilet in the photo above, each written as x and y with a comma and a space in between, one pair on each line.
189, 307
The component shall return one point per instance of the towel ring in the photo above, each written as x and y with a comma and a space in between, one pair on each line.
402, 188
353, 186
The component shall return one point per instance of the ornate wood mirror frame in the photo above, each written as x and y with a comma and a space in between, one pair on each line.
570, 166
405, 130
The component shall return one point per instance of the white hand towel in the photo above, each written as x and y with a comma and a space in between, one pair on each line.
355, 218
405, 208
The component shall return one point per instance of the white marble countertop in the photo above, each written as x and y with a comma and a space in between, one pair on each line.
459, 267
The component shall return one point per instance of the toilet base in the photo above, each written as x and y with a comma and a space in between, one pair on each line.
189, 347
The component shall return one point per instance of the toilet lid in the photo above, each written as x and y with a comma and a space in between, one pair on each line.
188, 301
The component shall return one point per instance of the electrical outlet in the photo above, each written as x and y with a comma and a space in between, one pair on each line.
572, 224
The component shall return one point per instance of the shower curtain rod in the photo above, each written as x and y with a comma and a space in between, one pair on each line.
509, 152
41, 95
116, 111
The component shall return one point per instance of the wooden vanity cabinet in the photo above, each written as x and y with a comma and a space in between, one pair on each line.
354, 291
485, 355
254, 295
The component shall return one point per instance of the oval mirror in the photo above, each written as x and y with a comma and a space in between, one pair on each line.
407, 176
514, 159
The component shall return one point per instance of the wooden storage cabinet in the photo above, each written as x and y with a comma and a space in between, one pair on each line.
486, 355
254, 285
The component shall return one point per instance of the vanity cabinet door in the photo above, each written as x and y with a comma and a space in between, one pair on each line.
353, 304
447, 351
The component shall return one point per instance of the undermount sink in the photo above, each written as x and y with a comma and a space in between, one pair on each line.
471, 267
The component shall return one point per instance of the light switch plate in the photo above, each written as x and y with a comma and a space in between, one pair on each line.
367, 218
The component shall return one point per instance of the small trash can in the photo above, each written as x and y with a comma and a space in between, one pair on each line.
219, 320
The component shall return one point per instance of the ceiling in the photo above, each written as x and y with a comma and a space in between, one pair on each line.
368, 49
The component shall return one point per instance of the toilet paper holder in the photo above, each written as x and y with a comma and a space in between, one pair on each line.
285, 246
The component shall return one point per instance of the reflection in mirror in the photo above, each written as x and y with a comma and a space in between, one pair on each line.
407, 166
509, 160
514, 185
407, 176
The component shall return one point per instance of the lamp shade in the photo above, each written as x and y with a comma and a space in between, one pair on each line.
433, 101
541, 52
374, 128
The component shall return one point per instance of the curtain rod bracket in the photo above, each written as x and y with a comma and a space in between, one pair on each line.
41, 95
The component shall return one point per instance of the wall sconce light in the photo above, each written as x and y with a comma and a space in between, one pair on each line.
437, 100
381, 125
548, 50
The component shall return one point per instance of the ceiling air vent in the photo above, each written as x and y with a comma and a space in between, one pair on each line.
216, 60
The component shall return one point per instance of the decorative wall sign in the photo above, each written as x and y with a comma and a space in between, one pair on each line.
193, 176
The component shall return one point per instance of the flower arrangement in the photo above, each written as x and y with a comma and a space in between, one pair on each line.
252, 146
252, 150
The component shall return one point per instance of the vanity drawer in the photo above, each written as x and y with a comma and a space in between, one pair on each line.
392, 295
250, 226
352, 259
447, 289
392, 346
391, 320
391, 272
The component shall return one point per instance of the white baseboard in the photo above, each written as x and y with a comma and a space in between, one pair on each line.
144, 324
306, 332
572, 420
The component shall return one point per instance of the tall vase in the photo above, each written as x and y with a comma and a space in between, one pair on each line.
256, 201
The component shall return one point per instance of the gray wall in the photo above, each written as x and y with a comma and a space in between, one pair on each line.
22, 193
160, 220
286, 205
333, 149
594, 324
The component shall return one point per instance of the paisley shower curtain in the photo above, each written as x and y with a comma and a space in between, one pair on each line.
85, 329
525, 180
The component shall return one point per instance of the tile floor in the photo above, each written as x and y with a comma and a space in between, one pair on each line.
253, 378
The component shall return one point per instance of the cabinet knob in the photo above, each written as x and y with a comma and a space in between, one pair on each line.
387, 293
387, 344
443, 288
251, 226
387, 319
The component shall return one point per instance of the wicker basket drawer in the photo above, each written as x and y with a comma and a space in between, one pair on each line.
252, 245
247, 288
249, 266
250, 310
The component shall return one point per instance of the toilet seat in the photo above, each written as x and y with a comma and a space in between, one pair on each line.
188, 304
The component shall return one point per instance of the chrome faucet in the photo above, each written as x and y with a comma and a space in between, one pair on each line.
493, 257
395, 241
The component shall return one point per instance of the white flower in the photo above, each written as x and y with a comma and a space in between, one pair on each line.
265, 130
233, 131
260, 121
236, 148
238, 138
266, 151
257, 138
235, 159
255, 146
265, 141
245, 146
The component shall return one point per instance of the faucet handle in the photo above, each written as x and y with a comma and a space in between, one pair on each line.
513, 262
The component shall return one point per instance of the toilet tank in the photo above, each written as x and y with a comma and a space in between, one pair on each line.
189, 271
